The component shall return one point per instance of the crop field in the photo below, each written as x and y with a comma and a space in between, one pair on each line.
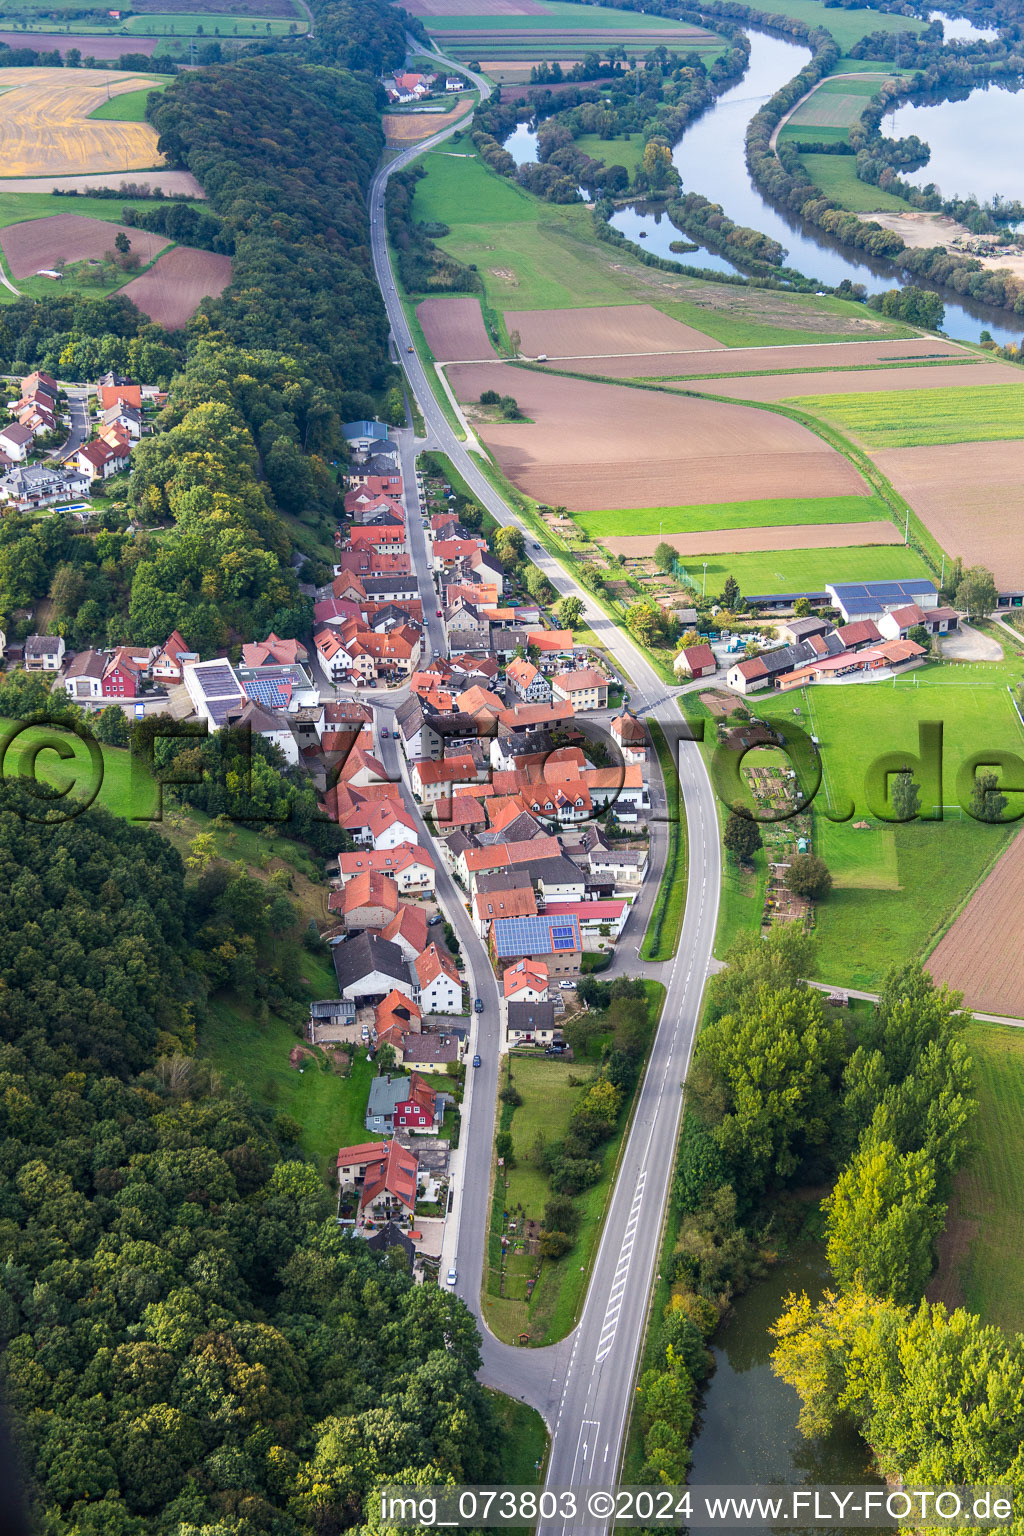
835, 104
730, 540
589, 444
793, 387
17, 189
980, 953
436, 8
170, 291
69, 237
45, 124
732, 514
846, 26
410, 127
611, 332
924, 418
97, 45
627, 150
898, 884
560, 16
807, 570
836, 175
741, 357
455, 329
968, 497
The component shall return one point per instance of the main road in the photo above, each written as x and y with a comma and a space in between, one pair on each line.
583, 1386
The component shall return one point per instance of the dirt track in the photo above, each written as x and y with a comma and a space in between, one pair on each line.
69, 237
455, 329
170, 291
980, 955
969, 496
592, 446
619, 328
736, 541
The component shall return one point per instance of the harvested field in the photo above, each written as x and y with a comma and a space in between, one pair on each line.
45, 125
410, 127
170, 291
980, 954
968, 497
455, 329
619, 328
729, 541
592, 446
787, 386
476, 8
694, 360
69, 237
169, 181
89, 43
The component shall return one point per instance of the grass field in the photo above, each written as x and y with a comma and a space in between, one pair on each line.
847, 27
732, 514
897, 886
523, 1439
627, 150
17, 207
986, 1202
836, 175
804, 315
807, 570
662, 937
925, 418
557, 15
125, 789
203, 24
129, 108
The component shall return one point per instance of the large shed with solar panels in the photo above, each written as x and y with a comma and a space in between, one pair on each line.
555, 940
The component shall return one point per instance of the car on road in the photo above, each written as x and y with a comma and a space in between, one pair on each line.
410, 349
479, 1005
453, 1275
433, 921
439, 614
383, 734
476, 1061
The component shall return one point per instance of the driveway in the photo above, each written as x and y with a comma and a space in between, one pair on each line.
969, 644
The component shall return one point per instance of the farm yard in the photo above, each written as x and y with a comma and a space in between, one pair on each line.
980, 953
968, 496
45, 124
924, 418
67, 237
735, 514
455, 329
169, 292
726, 539
595, 444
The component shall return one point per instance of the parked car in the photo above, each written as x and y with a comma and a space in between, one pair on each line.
453, 1275
439, 613
383, 734
567, 986
557, 1049
479, 1005
476, 1061
433, 921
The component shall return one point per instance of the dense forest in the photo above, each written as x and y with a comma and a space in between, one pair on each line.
189, 1341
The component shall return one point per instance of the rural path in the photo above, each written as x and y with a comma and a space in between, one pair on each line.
872, 997
583, 1386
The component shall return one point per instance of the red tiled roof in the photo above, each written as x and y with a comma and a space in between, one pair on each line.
432, 963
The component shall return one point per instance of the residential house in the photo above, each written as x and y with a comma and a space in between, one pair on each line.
597, 919
409, 866
454, 83
555, 940
127, 417
525, 982
394, 1020
274, 728
408, 929
273, 648
370, 901
436, 780
16, 441
169, 661
584, 688
530, 1023
364, 435
403, 1104
83, 679
898, 622
41, 383
383, 1174
44, 653
620, 866
439, 989
116, 394
101, 460
696, 661
40, 485
527, 681
558, 879
125, 671
520, 902
554, 646
630, 736
369, 967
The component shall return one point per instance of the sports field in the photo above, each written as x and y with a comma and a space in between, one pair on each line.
896, 885
806, 570
924, 418
732, 514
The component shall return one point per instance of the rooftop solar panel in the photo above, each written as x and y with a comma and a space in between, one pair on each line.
215, 681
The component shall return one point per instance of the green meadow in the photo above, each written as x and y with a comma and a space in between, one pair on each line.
806, 570
836, 175
709, 517
130, 107
846, 26
924, 417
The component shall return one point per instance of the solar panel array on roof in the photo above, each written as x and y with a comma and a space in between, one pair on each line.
536, 935
268, 691
886, 591
215, 681
221, 708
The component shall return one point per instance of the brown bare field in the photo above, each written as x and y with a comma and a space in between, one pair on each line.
410, 127
593, 446
737, 541
169, 292
781, 386
572, 38
475, 8
625, 328
90, 43
169, 181
45, 125
980, 954
261, 8
828, 354
455, 329
968, 496
69, 237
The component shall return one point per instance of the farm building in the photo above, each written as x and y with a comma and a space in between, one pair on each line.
872, 599
696, 661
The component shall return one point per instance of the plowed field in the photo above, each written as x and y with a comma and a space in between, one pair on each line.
592, 446
727, 541
620, 328
969, 496
45, 126
88, 43
784, 386
455, 329
980, 954
170, 291
476, 8
838, 354
69, 237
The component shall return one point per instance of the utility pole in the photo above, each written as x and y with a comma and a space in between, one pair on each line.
704, 583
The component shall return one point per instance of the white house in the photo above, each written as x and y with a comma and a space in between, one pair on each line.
214, 689
440, 989
16, 441
83, 680
44, 653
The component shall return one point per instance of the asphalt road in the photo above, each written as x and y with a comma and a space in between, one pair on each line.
582, 1386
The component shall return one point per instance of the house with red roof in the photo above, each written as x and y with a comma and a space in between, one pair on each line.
408, 865
168, 663
527, 681
525, 982
439, 989
369, 901
124, 672
383, 1175
408, 929
260, 652
406, 1104
100, 460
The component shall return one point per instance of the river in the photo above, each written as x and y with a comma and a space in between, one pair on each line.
958, 27
748, 1430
